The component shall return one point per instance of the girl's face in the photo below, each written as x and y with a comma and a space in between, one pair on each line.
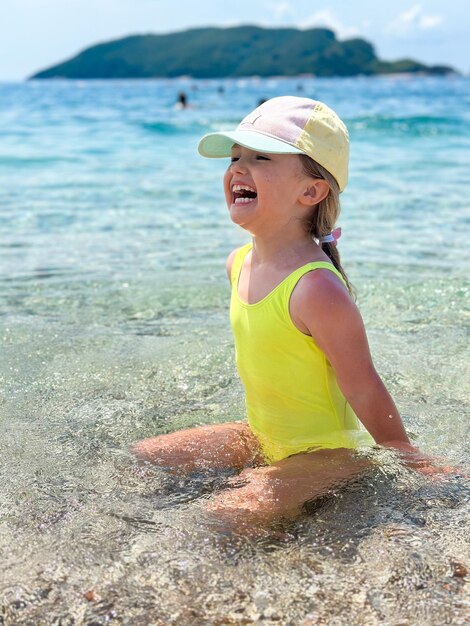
265, 190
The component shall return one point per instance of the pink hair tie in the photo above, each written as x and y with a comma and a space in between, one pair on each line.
332, 237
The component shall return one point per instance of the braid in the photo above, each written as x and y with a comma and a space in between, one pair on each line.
325, 214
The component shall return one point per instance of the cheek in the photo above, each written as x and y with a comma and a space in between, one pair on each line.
227, 180
267, 178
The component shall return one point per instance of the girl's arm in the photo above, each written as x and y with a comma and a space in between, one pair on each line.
321, 307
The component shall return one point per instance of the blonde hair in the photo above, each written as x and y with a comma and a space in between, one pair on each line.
323, 218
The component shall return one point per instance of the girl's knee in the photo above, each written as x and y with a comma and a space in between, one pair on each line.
164, 450
213, 446
244, 505
148, 450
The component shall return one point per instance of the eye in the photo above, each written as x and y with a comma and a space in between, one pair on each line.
234, 159
262, 157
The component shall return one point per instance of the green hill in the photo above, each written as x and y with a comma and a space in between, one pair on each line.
231, 52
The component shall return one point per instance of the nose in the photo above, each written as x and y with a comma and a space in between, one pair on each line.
238, 166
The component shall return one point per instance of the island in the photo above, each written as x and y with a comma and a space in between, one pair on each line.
234, 52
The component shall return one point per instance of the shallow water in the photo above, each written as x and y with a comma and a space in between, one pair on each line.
114, 326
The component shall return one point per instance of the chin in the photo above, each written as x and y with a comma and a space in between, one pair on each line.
246, 226
239, 215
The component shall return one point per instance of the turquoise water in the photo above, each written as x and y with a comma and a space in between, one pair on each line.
114, 326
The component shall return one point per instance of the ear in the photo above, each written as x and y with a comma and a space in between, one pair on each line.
316, 191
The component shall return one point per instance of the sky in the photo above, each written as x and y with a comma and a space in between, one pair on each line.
35, 34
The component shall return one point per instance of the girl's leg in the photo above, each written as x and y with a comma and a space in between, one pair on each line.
279, 491
230, 445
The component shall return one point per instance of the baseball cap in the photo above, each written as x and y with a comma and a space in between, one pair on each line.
288, 125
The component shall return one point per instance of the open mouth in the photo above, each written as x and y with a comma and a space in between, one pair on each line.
242, 194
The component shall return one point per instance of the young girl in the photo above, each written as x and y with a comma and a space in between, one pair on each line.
301, 348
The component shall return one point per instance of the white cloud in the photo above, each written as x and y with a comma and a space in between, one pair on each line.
430, 21
281, 10
326, 19
412, 20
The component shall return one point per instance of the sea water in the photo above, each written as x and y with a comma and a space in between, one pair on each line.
114, 327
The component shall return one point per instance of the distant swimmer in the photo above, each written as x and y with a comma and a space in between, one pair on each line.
182, 101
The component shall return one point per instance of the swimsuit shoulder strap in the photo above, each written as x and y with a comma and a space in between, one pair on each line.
297, 274
240, 255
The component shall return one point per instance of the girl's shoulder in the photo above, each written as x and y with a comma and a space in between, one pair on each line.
320, 297
323, 287
242, 251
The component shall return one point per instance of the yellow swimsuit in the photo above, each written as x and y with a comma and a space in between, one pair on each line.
293, 400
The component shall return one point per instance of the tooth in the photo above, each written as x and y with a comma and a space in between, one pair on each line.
242, 188
243, 200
